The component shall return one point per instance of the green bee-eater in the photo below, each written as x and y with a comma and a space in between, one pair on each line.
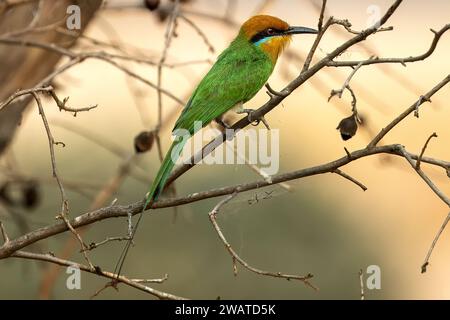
238, 74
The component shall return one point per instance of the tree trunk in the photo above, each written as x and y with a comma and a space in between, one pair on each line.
23, 67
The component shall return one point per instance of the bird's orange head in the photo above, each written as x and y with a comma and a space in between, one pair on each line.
271, 34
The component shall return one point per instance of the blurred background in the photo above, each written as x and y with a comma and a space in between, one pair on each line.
325, 225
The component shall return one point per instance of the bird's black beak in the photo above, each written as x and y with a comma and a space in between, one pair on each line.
300, 30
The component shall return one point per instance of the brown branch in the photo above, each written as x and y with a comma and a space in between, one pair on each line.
20, 93
33, 29
361, 284
403, 61
106, 274
403, 115
170, 31
321, 15
199, 31
135, 208
350, 178
237, 258
50, 90
433, 244
422, 174
62, 104
319, 36
81, 56
433, 135
346, 84
95, 245
348, 26
438, 192
4, 234
64, 200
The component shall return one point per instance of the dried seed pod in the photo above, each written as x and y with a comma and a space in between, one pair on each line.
164, 11
152, 4
143, 142
348, 127
31, 196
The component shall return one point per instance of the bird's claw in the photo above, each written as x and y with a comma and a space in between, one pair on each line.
254, 121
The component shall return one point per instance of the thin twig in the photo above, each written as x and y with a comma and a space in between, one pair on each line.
346, 84
76, 58
433, 135
237, 258
403, 61
350, 178
433, 244
199, 31
361, 284
62, 104
408, 111
4, 234
97, 271
321, 15
95, 245
64, 200
427, 180
20, 93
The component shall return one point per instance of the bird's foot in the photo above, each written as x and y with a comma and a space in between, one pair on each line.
252, 119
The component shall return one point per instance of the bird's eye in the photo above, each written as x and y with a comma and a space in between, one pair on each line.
270, 31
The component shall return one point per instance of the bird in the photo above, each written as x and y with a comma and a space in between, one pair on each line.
239, 72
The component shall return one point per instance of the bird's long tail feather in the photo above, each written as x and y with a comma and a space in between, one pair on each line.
157, 188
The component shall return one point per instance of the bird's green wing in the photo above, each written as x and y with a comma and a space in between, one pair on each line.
235, 77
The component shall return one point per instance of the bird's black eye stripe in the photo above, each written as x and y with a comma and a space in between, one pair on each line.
270, 32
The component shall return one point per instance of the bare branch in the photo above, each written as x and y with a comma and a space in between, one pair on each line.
4, 234
433, 135
97, 271
95, 245
433, 244
64, 200
422, 174
350, 178
346, 84
135, 208
199, 31
413, 107
20, 93
361, 284
321, 15
62, 104
76, 58
237, 258
403, 61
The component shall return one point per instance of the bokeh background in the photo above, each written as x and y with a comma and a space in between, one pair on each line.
325, 226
